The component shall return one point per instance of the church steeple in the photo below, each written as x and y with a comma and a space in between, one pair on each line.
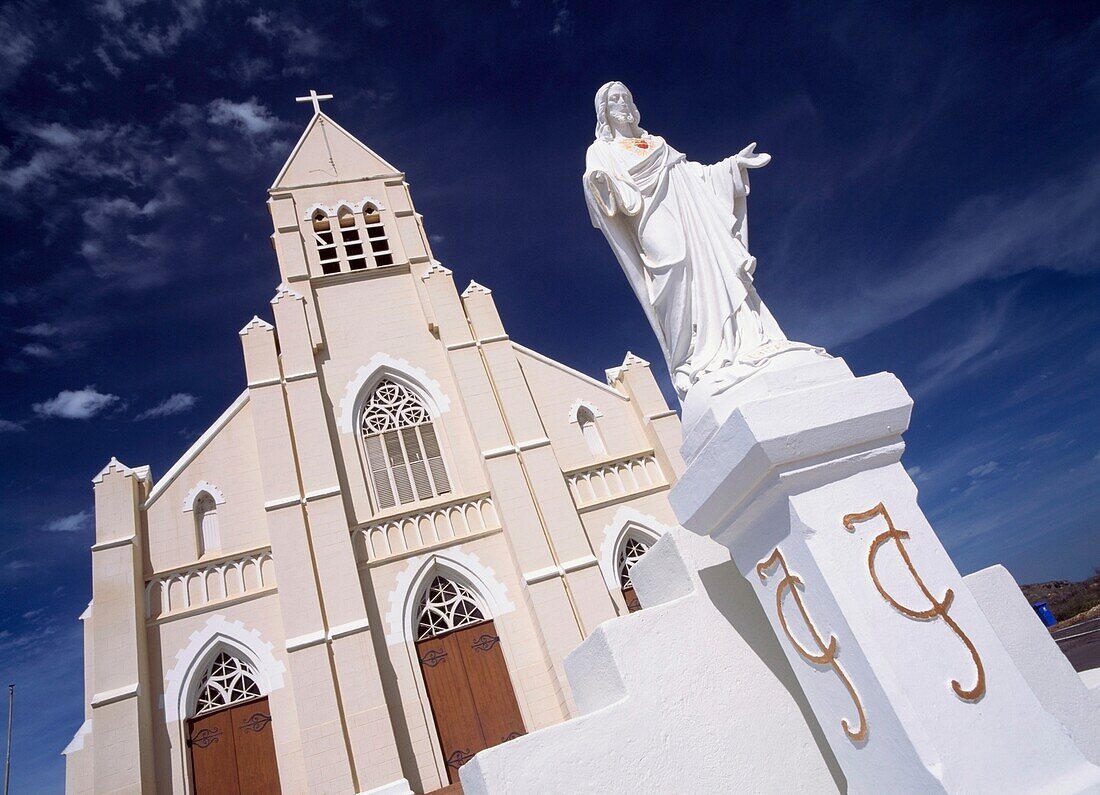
328, 153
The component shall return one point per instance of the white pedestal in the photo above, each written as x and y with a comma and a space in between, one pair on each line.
798, 475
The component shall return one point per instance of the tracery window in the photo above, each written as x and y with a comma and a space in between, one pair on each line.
227, 681
356, 241
403, 453
587, 422
446, 605
206, 521
633, 549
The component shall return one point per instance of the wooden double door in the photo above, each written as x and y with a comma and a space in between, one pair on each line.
470, 692
233, 751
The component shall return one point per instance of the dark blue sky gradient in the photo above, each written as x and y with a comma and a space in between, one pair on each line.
931, 210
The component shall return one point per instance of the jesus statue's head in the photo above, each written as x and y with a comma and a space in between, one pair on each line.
616, 114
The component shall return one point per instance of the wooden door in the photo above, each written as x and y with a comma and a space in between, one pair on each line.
632, 603
233, 751
213, 756
470, 693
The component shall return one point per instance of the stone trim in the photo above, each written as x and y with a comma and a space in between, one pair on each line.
383, 365
199, 445
569, 370
77, 743
568, 567
199, 488
217, 633
455, 563
282, 502
576, 406
115, 695
305, 641
113, 543
625, 521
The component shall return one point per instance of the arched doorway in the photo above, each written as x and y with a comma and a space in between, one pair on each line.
469, 689
229, 737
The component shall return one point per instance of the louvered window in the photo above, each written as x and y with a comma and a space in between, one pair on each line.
402, 448
355, 242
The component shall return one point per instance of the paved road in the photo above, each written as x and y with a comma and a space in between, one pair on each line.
1081, 644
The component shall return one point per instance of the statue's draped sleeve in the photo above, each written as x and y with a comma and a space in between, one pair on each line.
620, 227
730, 183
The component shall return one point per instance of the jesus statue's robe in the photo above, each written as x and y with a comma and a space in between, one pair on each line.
678, 230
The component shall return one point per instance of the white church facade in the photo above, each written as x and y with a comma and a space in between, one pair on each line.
374, 562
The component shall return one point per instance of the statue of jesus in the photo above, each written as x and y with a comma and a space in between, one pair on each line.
679, 230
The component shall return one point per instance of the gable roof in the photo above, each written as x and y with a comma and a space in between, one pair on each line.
327, 152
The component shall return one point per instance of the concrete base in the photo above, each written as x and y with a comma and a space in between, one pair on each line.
691, 694
1058, 687
913, 687
399, 787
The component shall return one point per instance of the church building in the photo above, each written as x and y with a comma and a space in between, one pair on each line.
372, 565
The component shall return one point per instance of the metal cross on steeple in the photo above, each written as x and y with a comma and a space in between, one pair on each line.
315, 98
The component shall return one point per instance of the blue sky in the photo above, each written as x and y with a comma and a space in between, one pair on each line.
931, 210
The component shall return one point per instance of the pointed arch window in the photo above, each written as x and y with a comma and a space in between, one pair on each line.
376, 236
326, 243
229, 680
206, 523
351, 241
402, 448
587, 422
631, 551
446, 605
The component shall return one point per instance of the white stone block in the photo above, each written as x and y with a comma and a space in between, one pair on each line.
691, 694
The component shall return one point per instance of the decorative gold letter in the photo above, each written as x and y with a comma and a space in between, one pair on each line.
939, 607
828, 650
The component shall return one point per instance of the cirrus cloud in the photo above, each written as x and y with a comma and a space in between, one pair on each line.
174, 404
69, 524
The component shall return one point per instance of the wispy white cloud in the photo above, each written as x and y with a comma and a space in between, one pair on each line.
917, 473
971, 349
36, 350
250, 117
563, 20
79, 404
296, 36
175, 404
17, 44
40, 330
983, 470
7, 426
72, 523
1050, 226
131, 30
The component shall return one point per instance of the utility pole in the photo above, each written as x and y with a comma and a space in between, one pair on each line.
7, 760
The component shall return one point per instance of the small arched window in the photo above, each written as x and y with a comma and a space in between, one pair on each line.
403, 453
587, 422
352, 240
632, 549
446, 605
229, 680
206, 523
